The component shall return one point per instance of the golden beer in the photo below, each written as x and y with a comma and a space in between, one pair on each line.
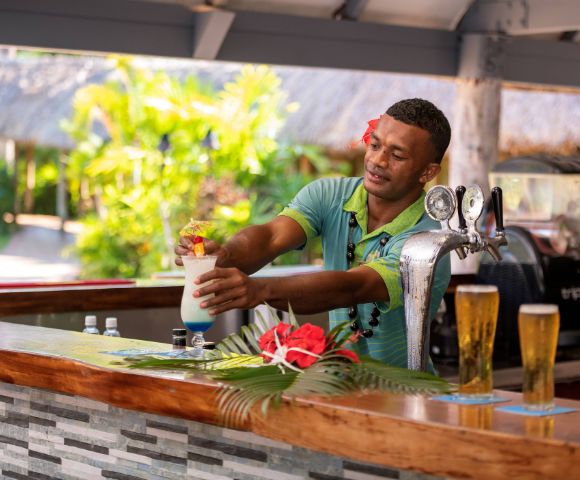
538, 326
542, 427
476, 308
476, 416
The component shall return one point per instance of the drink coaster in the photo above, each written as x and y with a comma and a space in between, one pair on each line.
135, 352
469, 401
521, 410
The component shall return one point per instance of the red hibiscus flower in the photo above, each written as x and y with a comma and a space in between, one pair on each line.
353, 357
366, 138
309, 338
268, 341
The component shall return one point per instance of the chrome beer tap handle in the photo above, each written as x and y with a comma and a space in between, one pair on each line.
460, 192
423, 250
440, 205
472, 207
492, 244
497, 201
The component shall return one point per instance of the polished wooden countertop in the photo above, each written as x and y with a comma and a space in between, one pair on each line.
396, 430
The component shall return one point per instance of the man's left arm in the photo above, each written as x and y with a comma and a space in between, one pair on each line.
307, 293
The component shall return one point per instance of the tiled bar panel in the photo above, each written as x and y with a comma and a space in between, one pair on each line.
46, 435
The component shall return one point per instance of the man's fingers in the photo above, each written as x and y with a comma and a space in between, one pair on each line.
210, 246
224, 296
181, 250
223, 308
186, 242
218, 272
217, 286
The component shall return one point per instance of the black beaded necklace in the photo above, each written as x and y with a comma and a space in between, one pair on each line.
353, 311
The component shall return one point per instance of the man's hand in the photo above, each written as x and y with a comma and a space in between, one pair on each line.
185, 247
231, 288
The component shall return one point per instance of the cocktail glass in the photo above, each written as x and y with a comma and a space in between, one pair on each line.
196, 319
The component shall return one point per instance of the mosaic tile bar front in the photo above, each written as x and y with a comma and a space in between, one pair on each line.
45, 436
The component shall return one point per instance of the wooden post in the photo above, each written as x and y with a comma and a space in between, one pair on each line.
475, 132
61, 204
30, 179
474, 148
474, 142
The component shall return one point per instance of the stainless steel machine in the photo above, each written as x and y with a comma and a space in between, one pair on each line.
542, 264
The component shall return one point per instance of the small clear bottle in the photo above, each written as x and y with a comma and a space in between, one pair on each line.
179, 338
111, 327
91, 325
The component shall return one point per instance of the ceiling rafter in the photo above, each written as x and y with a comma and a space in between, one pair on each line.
147, 28
523, 17
350, 10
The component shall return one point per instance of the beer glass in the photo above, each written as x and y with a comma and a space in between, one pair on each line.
538, 325
476, 308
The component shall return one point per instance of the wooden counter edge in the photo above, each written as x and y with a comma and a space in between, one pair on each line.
434, 449
391, 441
92, 298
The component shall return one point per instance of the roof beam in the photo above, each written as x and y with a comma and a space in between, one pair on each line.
134, 27
523, 17
122, 26
210, 29
127, 26
542, 62
314, 42
350, 10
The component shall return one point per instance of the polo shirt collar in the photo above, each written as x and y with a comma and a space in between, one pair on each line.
357, 203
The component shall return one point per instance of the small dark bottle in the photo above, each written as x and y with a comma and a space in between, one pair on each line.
179, 338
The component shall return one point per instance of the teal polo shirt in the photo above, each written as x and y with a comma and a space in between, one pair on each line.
323, 208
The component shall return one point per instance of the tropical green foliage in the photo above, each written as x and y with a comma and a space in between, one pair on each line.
154, 150
247, 381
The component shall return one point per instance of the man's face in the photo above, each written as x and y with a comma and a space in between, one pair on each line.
398, 160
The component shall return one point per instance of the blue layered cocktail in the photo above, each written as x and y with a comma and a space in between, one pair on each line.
196, 319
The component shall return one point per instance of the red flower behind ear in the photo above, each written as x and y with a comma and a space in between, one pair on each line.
366, 138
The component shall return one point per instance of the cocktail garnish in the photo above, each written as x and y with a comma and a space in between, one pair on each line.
198, 249
195, 230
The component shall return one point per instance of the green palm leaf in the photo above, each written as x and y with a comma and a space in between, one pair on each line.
247, 381
374, 375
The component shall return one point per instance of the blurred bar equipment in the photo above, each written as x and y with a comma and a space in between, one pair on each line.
542, 226
423, 250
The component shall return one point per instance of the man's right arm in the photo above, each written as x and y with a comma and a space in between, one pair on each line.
252, 247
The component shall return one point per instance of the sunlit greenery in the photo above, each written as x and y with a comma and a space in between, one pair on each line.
153, 151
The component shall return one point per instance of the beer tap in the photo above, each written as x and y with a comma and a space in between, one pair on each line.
423, 250
492, 244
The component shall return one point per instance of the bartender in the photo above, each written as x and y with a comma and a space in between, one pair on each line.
363, 222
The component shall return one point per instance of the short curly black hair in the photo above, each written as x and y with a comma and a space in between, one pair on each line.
423, 114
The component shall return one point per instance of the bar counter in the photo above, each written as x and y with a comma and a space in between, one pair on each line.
69, 410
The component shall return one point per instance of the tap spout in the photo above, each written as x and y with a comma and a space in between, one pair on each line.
419, 257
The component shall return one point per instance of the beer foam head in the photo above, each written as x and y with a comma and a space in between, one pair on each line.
476, 288
539, 308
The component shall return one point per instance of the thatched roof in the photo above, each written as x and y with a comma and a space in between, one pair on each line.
37, 92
